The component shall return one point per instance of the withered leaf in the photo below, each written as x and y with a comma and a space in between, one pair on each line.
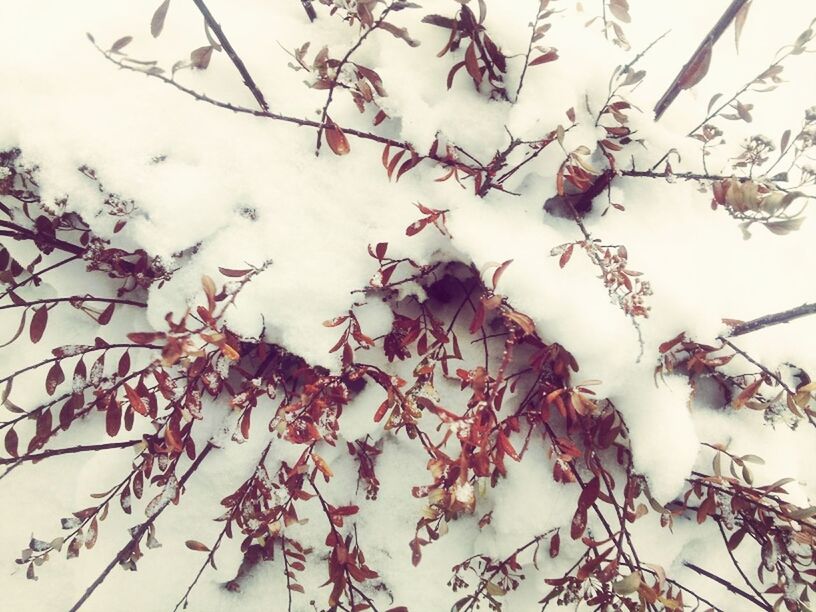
157, 23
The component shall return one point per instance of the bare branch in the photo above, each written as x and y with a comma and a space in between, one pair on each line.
731, 587
232, 54
68, 451
786, 316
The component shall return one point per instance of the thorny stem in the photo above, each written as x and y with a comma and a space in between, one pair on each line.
232, 54
139, 531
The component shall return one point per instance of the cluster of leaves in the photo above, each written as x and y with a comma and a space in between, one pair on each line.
758, 389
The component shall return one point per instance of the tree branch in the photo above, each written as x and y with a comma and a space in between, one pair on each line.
69, 451
138, 532
705, 46
731, 587
232, 54
325, 114
786, 316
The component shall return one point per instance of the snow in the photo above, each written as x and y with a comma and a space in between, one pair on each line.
218, 189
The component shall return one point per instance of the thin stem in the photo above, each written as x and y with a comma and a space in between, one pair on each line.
324, 116
737, 565
232, 54
139, 532
69, 451
728, 585
72, 299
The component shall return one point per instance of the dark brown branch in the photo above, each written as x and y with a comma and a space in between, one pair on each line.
74, 298
85, 351
138, 532
310, 12
737, 565
268, 114
37, 274
705, 46
731, 587
21, 233
686, 176
785, 316
68, 451
231, 53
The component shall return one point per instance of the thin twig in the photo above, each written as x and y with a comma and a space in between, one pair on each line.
737, 565
324, 116
138, 532
73, 299
232, 54
728, 585
529, 51
270, 115
69, 451
38, 274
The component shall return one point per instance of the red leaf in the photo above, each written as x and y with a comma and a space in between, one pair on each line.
336, 139
696, 69
245, 424
11, 441
38, 323
135, 401
416, 227
579, 522
113, 417
234, 273
54, 378
472, 63
200, 58
124, 364
565, 256
453, 72
499, 272
105, 316
144, 337
549, 56
555, 545
196, 545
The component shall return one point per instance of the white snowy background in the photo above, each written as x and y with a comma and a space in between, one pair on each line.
64, 105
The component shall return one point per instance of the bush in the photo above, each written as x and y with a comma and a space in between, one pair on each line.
410, 387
